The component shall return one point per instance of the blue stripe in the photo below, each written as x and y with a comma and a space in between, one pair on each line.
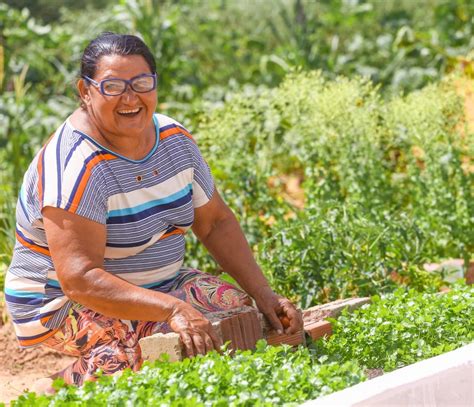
150, 211
79, 178
147, 205
23, 300
58, 165
136, 244
23, 205
22, 338
53, 283
23, 294
76, 144
29, 240
173, 126
35, 318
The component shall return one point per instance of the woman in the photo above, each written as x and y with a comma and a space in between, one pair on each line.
100, 227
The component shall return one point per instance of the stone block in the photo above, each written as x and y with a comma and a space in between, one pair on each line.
158, 344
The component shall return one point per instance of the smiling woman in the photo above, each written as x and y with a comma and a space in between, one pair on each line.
101, 219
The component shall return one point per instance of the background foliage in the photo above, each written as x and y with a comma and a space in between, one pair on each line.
380, 179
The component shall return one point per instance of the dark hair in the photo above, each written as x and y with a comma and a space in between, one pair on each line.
109, 43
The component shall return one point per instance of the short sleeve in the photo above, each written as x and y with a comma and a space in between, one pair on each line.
73, 180
203, 182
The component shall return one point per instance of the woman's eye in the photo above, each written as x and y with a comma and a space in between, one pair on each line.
113, 86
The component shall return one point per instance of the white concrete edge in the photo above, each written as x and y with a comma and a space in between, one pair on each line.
405, 376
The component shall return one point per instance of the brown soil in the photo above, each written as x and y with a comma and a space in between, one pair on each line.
20, 368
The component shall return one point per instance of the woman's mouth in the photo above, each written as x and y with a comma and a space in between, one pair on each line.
129, 112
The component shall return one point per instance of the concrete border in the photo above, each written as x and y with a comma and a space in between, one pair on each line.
444, 380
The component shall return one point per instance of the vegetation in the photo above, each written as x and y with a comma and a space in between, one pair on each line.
395, 330
385, 181
403, 328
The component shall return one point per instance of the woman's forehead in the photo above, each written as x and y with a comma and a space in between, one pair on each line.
121, 66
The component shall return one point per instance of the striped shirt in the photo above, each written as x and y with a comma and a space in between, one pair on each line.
147, 205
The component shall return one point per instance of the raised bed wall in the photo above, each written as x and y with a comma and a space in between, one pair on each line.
445, 380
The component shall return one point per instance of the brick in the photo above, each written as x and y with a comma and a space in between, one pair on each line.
237, 338
158, 344
318, 329
246, 330
240, 326
256, 328
274, 339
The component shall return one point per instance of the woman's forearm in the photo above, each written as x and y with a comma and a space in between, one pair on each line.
111, 296
228, 245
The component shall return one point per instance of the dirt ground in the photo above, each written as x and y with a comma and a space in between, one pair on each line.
20, 368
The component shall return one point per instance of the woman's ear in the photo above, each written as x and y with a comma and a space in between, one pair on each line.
83, 91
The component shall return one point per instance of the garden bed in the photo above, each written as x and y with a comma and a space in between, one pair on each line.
392, 332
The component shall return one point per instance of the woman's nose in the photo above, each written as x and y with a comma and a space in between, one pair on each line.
129, 95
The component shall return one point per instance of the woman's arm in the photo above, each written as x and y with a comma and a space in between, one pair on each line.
77, 247
217, 228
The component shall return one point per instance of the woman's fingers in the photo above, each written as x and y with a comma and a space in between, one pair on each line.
209, 343
273, 319
216, 340
294, 316
199, 343
188, 344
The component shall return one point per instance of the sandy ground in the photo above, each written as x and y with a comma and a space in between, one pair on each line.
20, 368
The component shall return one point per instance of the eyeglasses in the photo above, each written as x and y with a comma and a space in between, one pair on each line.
115, 86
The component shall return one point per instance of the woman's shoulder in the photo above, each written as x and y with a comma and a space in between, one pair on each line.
170, 127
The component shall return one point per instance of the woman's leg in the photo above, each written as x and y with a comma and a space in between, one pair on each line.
99, 342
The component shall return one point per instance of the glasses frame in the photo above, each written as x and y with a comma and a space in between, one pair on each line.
128, 82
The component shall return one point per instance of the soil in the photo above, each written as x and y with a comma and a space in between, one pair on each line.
20, 368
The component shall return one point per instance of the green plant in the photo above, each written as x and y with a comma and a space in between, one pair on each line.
402, 328
269, 376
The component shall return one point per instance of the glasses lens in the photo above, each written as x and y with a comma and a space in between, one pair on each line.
143, 83
114, 86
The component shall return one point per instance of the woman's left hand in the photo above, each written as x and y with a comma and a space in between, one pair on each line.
279, 309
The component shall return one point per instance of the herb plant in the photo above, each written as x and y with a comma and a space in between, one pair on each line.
269, 376
402, 328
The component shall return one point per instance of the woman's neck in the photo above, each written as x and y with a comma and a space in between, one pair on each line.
132, 146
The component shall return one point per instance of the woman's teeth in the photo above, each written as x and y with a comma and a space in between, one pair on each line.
129, 112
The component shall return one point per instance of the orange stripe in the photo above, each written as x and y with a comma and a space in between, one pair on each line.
174, 232
33, 247
173, 131
35, 341
40, 177
85, 178
45, 319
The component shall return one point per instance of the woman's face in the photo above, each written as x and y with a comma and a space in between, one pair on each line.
127, 114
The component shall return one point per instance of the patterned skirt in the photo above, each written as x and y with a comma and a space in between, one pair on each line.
111, 344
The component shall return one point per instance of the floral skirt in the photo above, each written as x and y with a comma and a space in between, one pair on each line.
111, 344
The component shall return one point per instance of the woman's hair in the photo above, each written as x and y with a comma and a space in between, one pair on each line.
109, 43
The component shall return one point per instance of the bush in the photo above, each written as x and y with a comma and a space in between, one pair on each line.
385, 186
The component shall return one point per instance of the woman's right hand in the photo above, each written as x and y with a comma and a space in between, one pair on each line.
196, 332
